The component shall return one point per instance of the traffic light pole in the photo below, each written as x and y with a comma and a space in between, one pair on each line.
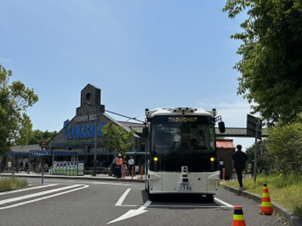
95, 144
255, 152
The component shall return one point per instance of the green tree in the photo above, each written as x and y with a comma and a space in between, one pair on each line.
264, 161
15, 124
285, 145
117, 138
271, 64
39, 136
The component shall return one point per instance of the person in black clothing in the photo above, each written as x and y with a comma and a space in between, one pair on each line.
26, 167
240, 163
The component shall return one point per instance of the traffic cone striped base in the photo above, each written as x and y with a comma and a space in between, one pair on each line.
238, 218
266, 205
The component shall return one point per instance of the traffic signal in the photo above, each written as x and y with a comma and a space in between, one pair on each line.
253, 126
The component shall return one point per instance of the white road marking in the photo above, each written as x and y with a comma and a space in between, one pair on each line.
36, 194
27, 189
132, 213
141, 209
47, 197
112, 183
122, 198
224, 203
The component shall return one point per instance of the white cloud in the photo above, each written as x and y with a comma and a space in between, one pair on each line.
233, 114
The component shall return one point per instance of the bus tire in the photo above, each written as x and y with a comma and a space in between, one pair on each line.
210, 198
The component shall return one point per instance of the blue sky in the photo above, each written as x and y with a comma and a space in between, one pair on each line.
140, 53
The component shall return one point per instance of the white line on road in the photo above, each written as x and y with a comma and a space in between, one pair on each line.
47, 197
36, 194
112, 183
122, 198
27, 189
132, 213
224, 203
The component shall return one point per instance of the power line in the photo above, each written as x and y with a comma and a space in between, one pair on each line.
132, 118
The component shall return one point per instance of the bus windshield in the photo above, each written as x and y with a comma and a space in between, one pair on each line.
182, 134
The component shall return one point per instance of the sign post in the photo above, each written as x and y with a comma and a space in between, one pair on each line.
253, 129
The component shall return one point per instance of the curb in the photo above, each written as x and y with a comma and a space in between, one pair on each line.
286, 214
105, 178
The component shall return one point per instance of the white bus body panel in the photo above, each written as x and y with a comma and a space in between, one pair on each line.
172, 182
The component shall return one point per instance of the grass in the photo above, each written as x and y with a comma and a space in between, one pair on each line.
11, 183
285, 191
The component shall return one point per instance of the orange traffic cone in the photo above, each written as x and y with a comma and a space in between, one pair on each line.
266, 205
238, 218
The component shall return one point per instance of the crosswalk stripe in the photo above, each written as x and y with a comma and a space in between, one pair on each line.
27, 189
42, 198
5, 201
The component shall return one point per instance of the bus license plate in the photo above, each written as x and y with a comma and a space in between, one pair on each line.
184, 187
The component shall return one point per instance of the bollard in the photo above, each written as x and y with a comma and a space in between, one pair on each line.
42, 177
123, 172
132, 171
142, 171
223, 174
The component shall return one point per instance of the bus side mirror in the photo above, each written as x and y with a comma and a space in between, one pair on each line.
145, 132
221, 127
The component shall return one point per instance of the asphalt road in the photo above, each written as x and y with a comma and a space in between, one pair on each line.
86, 202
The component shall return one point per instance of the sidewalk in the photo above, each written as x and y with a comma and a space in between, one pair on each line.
105, 177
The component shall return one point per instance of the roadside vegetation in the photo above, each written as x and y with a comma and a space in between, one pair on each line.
11, 183
284, 190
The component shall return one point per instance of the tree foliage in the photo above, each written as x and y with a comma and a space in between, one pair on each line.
15, 124
264, 162
285, 145
271, 64
117, 138
39, 136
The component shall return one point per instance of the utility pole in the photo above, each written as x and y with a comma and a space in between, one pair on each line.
95, 141
253, 129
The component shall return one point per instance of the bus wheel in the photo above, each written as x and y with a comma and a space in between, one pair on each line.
210, 198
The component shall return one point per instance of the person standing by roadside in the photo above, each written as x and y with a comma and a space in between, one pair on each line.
131, 164
26, 167
125, 165
240, 163
118, 166
113, 165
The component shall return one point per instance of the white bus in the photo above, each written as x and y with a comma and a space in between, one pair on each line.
181, 151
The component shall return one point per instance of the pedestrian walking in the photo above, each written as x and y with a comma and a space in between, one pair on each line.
240, 163
131, 164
